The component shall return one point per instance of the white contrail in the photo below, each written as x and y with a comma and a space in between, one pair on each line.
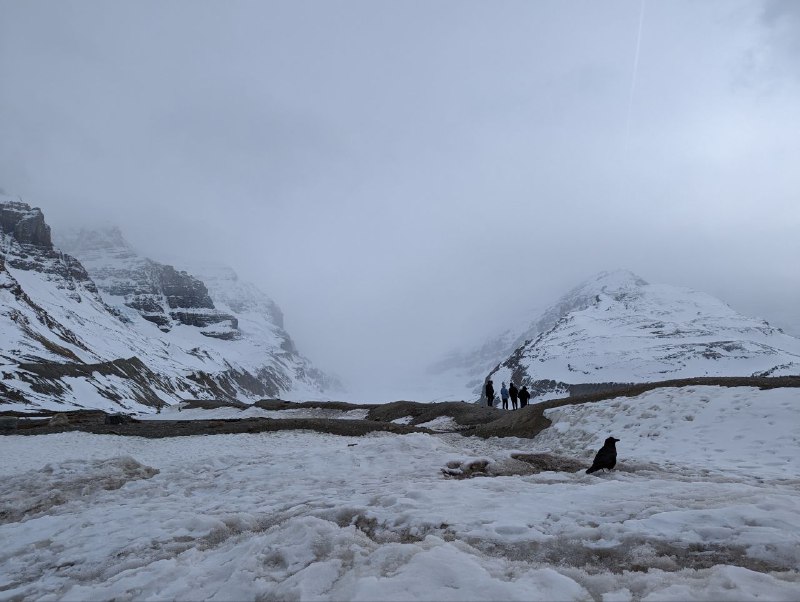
633, 77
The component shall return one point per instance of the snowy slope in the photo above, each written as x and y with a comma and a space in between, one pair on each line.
616, 327
704, 505
151, 334
261, 322
252, 346
462, 373
60, 343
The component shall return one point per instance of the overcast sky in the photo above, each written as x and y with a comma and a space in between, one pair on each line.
405, 176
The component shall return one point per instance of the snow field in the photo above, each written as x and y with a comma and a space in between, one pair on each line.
742, 429
300, 515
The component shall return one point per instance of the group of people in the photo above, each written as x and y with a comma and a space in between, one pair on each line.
522, 395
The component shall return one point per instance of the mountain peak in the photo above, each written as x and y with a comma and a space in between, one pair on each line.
24, 223
611, 281
87, 240
615, 328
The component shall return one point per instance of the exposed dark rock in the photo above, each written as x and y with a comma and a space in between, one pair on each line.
212, 404
279, 404
118, 419
201, 319
146, 304
47, 378
31, 248
147, 284
225, 335
465, 414
155, 429
25, 224
181, 289
8, 423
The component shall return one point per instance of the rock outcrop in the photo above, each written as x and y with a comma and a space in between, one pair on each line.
25, 224
160, 293
28, 246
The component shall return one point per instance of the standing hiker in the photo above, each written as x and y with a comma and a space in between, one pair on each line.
524, 396
504, 396
489, 393
512, 390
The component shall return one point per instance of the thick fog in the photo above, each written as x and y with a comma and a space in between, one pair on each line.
409, 177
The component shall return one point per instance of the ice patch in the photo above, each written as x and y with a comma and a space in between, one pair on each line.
441, 424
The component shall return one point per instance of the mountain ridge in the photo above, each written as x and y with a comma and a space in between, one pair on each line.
617, 328
127, 332
510, 355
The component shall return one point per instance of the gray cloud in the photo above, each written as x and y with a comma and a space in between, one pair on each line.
403, 177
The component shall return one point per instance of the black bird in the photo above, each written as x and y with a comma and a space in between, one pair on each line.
606, 457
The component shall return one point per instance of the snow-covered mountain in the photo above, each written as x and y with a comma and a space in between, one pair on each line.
129, 331
617, 328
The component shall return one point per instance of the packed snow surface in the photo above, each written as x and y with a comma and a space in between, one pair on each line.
704, 505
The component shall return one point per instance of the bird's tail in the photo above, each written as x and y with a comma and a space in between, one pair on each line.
591, 470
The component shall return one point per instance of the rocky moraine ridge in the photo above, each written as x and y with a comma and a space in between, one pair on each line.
111, 329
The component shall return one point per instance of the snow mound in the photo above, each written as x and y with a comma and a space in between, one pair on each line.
739, 429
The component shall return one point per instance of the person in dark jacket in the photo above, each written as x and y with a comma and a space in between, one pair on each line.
504, 396
524, 396
606, 458
489, 393
513, 392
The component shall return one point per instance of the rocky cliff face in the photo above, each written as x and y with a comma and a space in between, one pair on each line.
158, 292
27, 246
261, 319
25, 224
146, 334
210, 299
